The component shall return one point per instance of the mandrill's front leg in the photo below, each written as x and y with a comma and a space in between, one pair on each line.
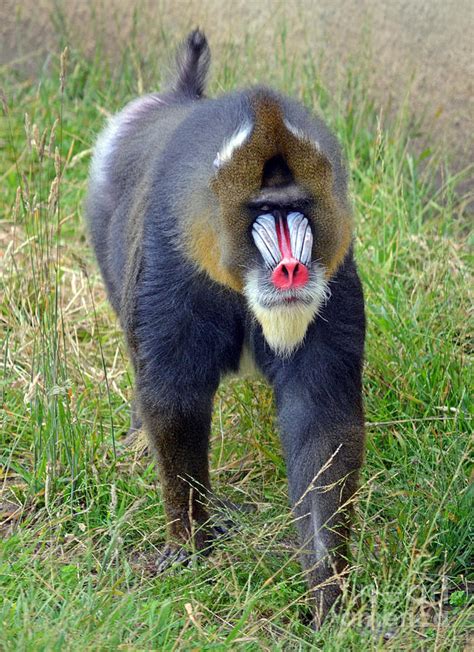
180, 437
323, 437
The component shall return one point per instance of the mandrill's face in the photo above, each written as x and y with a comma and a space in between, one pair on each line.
284, 229
284, 241
287, 287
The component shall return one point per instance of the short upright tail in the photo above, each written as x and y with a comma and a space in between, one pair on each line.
192, 62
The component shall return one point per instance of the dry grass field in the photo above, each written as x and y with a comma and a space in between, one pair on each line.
423, 47
81, 520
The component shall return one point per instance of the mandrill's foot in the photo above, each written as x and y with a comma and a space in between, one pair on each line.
171, 555
174, 554
327, 601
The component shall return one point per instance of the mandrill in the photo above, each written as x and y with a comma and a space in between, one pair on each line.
223, 226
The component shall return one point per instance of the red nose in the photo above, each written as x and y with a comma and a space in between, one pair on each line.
290, 273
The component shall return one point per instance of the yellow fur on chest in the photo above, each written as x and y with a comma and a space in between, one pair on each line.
284, 328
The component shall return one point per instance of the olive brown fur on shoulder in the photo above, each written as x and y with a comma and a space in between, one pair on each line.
223, 226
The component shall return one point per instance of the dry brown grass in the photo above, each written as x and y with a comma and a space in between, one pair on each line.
424, 46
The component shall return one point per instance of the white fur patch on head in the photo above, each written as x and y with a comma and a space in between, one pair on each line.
237, 139
296, 131
284, 325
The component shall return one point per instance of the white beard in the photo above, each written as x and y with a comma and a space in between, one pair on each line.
284, 325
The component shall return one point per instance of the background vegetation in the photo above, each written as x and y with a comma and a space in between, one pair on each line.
80, 516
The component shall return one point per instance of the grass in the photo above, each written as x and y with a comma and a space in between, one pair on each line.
80, 513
